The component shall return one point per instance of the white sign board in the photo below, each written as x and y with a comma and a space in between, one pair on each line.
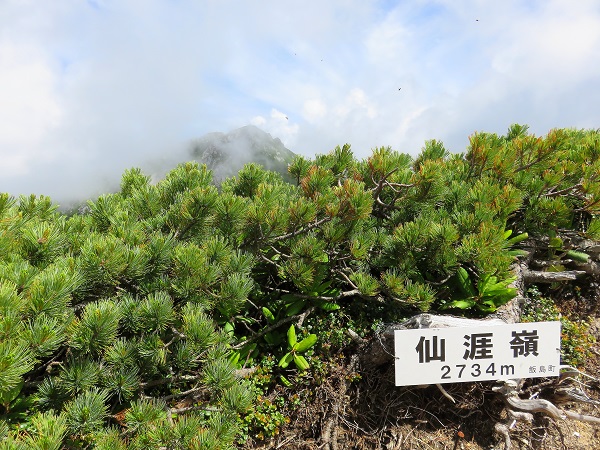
486, 352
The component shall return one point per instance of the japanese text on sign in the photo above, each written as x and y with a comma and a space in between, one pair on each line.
486, 352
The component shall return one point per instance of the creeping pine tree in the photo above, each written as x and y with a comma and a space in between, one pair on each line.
126, 324
439, 231
111, 325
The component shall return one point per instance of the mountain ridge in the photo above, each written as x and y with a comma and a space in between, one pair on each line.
226, 153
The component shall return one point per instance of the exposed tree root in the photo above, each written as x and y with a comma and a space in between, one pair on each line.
510, 393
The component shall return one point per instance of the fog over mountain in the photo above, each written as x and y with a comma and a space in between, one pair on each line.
226, 153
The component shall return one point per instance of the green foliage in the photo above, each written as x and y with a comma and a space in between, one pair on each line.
15, 360
114, 314
45, 431
488, 294
593, 230
97, 328
576, 338
263, 422
295, 350
85, 414
48, 431
144, 412
219, 374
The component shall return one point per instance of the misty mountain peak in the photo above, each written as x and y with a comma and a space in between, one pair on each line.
226, 153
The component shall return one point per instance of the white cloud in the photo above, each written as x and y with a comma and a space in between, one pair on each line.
314, 109
279, 125
561, 41
30, 107
258, 121
89, 89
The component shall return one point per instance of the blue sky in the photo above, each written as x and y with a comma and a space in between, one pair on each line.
88, 89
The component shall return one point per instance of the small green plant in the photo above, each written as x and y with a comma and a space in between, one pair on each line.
489, 293
576, 340
296, 348
264, 421
265, 418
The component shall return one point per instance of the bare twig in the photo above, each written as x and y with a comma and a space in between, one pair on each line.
301, 230
445, 393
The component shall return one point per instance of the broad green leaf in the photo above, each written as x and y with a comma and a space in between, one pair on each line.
326, 306
268, 314
248, 350
461, 304
515, 240
486, 309
9, 395
286, 360
229, 329
501, 299
498, 288
301, 362
484, 281
578, 256
555, 242
306, 343
234, 358
294, 308
272, 338
291, 335
322, 287
285, 381
464, 283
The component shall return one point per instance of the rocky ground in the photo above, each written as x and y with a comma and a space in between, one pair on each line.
362, 409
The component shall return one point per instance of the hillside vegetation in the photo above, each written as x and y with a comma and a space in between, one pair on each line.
177, 315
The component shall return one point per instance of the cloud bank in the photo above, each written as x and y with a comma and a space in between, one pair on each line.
89, 89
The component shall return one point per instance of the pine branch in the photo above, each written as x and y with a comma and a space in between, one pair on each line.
348, 280
194, 408
161, 381
179, 234
177, 335
531, 163
301, 230
184, 393
588, 206
575, 187
326, 298
267, 260
47, 366
376, 191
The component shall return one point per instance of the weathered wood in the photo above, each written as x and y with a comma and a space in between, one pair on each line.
534, 276
590, 267
510, 393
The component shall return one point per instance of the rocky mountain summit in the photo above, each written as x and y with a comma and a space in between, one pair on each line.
226, 153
